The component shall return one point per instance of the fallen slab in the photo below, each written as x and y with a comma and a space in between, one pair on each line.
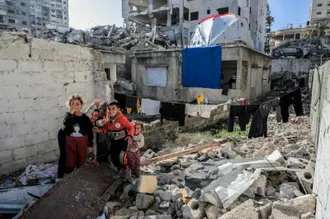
80, 194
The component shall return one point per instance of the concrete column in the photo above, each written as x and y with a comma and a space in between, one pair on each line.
169, 18
113, 72
151, 5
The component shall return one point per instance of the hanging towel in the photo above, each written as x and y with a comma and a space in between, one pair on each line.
150, 107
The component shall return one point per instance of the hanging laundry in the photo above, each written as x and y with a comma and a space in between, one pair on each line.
259, 120
198, 100
128, 110
150, 107
173, 112
259, 123
243, 112
131, 101
121, 98
278, 114
294, 98
138, 105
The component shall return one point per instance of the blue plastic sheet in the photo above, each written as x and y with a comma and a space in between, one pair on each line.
201, 67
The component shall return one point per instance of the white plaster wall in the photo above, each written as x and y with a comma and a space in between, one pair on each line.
36, 79
320, 120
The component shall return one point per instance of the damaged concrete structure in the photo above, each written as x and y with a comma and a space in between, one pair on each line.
320, 124
36, 78
251, 69
181, 16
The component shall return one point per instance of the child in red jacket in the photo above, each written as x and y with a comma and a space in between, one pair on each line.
121, 133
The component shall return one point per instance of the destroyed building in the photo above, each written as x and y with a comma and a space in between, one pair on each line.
32, 16
182, 16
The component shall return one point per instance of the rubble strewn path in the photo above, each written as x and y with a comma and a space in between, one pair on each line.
257, 178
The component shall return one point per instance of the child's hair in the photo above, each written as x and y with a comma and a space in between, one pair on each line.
74, 97
140, 124
114, 104
96, 110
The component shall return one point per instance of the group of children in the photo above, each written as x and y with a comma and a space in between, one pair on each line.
81, 133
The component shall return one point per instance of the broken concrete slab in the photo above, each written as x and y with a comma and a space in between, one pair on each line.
245, 210
147, 184
212, 212
306, 204
228, 153
124, 212
286, 211
306, 176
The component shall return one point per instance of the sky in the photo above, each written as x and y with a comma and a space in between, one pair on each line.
85, 14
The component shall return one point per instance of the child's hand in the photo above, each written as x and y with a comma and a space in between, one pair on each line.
89, 149
72, 109
97, 101
129, 140
97, 130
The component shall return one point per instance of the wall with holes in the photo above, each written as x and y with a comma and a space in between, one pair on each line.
36, 78
320, 121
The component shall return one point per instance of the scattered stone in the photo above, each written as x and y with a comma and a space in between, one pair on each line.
179, 181
287, 191
245, 210
212, 212
176, 194
164, 195
185, 164
286, 211
175, 167
124, 212
148, 155
128, 191
265, 211
229, 154
202, 158
306, 204
178, 204
211, 154
112, 205
270, 190
143, 201
164, 204
150, 212
192, 210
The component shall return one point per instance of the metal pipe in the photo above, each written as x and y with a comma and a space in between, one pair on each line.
10, 209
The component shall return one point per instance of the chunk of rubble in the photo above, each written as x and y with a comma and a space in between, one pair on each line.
245, 210
147, 184
143, 201
265, 211
286, 211
259, 186
193, 210
306, 204
212, 212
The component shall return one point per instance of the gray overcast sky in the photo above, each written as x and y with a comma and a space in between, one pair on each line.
88, 13
85, 14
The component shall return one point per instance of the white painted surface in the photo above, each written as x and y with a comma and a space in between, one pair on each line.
156, 77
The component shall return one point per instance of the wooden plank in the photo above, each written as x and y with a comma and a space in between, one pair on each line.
181, 153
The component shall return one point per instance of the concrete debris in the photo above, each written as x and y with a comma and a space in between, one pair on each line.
265, 211
306, 204
147, 184
143, 202
286, 211
303, 48
245, 210
134, 35
38, 174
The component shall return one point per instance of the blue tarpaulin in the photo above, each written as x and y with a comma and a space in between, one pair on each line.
201, 67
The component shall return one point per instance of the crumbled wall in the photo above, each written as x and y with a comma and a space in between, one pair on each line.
36, 78
320, 123
155, 133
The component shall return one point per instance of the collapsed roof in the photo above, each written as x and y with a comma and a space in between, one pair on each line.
219, 28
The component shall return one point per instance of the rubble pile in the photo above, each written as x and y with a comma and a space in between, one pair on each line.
108, 35
246, 180
303, 48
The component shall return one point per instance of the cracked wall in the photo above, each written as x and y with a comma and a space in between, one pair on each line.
36, 78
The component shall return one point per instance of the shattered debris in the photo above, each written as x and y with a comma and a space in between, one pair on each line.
110, 36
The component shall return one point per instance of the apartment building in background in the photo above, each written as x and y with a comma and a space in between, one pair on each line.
184, 15
33, 15
319, 11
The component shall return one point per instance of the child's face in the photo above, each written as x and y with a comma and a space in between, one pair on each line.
138, 129
113, 110
95, 116
77, 105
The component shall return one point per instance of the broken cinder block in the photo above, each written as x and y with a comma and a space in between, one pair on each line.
286, 211
147, 184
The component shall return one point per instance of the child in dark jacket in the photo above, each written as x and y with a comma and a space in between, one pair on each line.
121, 133
79, 134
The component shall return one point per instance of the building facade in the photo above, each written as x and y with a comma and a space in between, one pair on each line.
184, 15
33, 14
319, 11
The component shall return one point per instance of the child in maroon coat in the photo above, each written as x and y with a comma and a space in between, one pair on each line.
133, 155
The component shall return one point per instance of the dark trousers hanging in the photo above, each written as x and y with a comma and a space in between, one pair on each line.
288, 99
259, 123
243, 113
